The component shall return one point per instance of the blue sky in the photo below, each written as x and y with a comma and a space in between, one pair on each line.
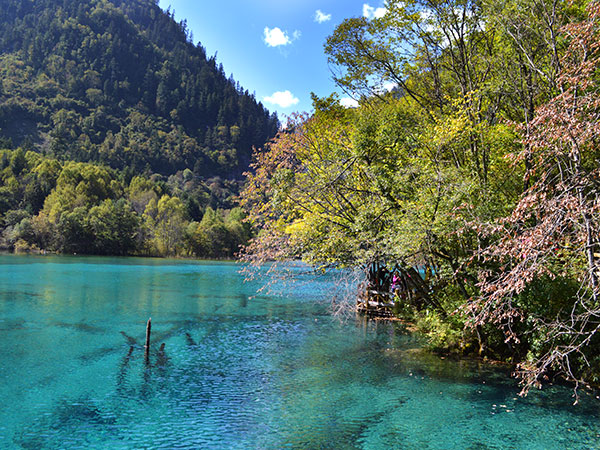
274, 48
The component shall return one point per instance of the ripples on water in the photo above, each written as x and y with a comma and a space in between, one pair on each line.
239, 372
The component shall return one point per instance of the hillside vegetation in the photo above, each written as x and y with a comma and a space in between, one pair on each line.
121, 83
110, 104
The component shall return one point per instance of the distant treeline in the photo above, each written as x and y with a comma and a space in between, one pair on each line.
74, 207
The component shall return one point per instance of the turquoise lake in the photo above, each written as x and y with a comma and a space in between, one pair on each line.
240, 369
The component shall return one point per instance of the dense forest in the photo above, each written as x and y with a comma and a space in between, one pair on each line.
473, 156
118, 85
121, 83
74, 207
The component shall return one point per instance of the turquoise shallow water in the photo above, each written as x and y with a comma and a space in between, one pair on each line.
239, 370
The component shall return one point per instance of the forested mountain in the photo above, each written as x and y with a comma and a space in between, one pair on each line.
120, 83
117, 134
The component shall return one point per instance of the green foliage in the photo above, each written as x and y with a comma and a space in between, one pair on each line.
73, 234
443, 334
219, 233
144, 136
114, 226
18, 162
75, 207
381, 182
168, 220
472, 155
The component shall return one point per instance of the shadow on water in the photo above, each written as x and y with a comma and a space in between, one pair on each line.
82, 327
195, 376
82, 411
72, 419
232, 371
160, 336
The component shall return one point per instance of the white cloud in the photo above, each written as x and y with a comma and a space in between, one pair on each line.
321, 17
274, 37
348, 102
389, 86
428, 18
283, 99
371, 12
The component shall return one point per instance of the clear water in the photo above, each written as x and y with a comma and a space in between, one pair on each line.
266, 372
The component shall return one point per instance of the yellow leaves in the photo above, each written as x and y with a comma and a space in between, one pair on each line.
170, 206
455, 126
11, 183
57, 202
234, 131
151, 209
298, 227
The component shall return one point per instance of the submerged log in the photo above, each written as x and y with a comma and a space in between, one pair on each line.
147, 346
123, 370
190, 340
130, 340
161, 358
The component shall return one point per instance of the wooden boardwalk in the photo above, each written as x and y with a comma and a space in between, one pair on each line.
402, 284
376, 304
375, 310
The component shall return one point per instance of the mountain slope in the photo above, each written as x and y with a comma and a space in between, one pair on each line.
120, 83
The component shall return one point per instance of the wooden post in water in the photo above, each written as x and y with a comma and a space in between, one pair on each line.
147, 346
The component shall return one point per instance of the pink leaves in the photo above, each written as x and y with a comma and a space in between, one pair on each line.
553, 231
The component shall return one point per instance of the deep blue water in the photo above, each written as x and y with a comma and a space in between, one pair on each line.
240, 369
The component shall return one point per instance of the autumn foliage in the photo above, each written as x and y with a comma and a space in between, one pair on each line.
480, 167
552, 234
